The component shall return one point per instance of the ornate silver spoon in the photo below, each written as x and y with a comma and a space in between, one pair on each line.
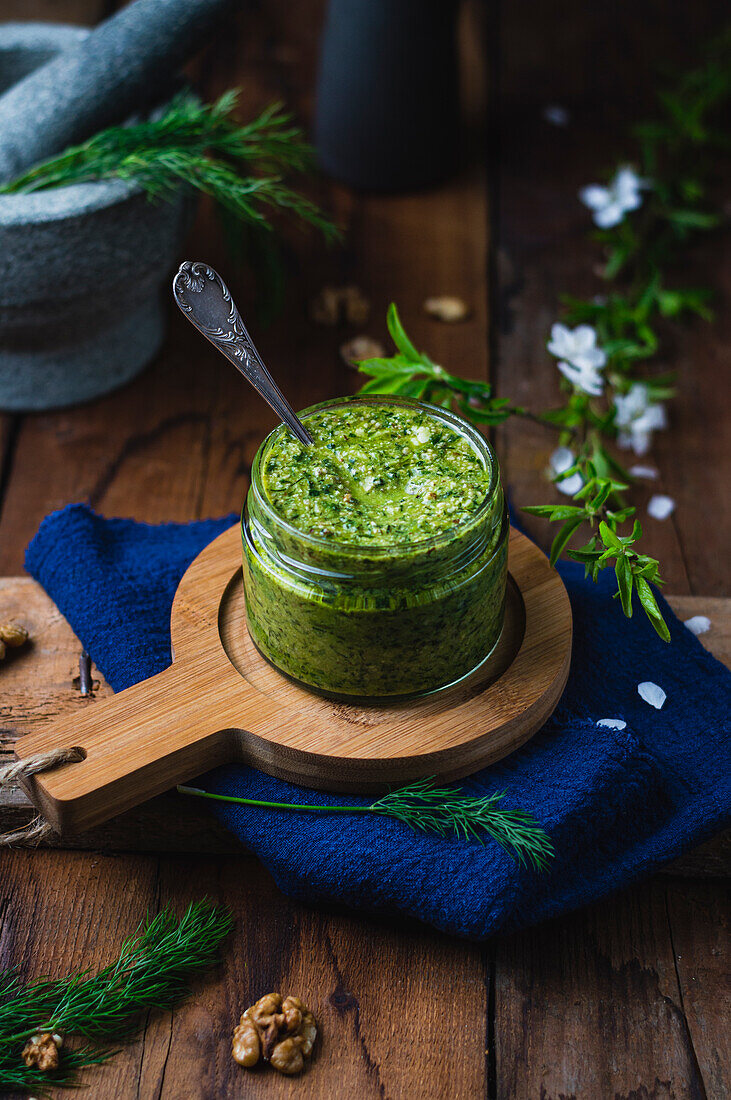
206, 301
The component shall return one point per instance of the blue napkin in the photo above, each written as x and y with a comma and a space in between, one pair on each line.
616, 802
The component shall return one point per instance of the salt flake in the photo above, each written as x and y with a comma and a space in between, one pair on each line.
660, 507
698, 624
612, 723
652, 694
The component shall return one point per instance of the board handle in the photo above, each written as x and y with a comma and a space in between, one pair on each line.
136, 744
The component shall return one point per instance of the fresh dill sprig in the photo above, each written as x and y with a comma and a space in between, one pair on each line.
152, 971
242, 166
16, 1076
444, 811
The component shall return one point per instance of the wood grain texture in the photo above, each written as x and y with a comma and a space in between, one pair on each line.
217, 703
177, 443
699, 923
376, 987
74, 913
85, 12
591, 1006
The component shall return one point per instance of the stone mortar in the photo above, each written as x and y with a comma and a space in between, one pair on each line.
83, 297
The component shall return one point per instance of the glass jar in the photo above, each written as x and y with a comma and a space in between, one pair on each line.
367, 622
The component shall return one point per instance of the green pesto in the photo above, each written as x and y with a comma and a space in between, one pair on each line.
392, 592
377, 474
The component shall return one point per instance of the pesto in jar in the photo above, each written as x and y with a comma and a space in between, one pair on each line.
375, 560
377, 474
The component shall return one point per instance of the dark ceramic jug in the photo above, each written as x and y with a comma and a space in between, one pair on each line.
387, 98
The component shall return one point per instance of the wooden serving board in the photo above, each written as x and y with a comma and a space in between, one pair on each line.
220, 701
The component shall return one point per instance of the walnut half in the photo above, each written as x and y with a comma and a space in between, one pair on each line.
11, 636
280, 1030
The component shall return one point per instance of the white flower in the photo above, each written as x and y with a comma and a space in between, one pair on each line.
611, 203
644, 471
563, 459
637, 418
698, 624
660, 506
652, 694
612, 723
584, 378
556, 114
577, 345
581, 359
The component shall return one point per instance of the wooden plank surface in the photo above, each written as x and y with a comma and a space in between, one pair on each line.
592, 1006
380, 992
177, 443
596, 1005
542, 233
586, 1006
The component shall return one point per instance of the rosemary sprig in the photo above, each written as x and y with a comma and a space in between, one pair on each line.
201, 146
151, 972
440, 810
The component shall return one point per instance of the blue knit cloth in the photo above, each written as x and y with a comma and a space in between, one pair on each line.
617, 803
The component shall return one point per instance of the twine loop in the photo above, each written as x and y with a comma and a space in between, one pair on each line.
38, 829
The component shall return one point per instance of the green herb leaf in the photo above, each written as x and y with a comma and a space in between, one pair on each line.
399, 337
648, 601
625, 580
563, 536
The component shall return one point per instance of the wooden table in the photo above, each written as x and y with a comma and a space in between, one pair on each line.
624, 998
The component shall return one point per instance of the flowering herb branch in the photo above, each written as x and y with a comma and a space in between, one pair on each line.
646, 221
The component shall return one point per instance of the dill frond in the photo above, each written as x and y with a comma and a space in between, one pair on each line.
242, 166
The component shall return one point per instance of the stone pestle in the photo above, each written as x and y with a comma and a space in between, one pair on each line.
125, 64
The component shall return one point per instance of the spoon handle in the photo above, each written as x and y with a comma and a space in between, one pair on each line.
206, 301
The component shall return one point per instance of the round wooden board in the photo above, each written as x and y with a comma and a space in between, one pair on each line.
220, 701
452, 733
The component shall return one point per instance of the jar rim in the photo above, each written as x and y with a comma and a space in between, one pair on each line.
393, 549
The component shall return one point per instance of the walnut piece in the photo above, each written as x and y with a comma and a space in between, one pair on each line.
337, 304
287, 1056
361, 347
42, 1051
12, 635
280, 1030
246, 1046
447, 309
